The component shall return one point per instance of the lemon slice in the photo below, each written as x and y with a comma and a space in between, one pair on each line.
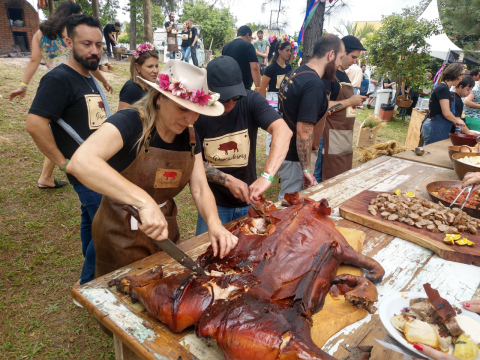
410, 194
470, 243
461, 242
449, 241
452, 236
398, 192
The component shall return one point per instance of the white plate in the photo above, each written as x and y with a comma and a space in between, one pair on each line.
392, 305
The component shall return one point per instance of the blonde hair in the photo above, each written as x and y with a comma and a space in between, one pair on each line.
140, 61
146, 108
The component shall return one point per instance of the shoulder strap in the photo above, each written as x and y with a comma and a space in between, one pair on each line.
192, 140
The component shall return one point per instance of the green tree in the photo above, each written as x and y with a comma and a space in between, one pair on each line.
217, 24
158, 20
399, 46
255, 26
108, 9
349, 28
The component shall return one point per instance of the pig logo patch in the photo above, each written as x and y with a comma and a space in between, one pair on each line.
167, 178
96, 111
231, 150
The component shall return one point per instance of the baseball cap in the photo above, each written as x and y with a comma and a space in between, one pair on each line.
352, 43
225, 77
244, 30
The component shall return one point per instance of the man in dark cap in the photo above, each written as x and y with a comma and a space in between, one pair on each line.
229, 142
335, 153
242, 50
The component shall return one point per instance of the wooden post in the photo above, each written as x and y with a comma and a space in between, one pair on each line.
314, 31
133, 26
147, 15
95, 9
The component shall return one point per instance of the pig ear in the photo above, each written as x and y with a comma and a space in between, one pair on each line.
323, 208
293, 198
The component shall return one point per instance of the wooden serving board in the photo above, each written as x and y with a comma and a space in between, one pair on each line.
356, 209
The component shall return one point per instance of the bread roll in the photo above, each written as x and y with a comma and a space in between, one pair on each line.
421, 332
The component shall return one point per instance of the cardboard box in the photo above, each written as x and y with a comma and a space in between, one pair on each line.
367, 137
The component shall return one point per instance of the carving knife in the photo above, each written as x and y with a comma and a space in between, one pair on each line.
169, 247
400, 350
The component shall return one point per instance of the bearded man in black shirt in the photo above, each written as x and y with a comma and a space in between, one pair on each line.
302, 102
229, 142
69, 92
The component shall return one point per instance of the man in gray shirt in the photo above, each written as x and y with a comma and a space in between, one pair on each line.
261, 49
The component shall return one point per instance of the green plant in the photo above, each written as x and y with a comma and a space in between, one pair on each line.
399, 47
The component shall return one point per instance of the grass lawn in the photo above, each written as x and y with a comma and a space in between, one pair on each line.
40, 251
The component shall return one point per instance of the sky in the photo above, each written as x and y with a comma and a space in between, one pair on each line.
250, 11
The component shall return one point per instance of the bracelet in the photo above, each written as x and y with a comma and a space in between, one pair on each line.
65, 167
267, 176
307, 171
257, 87
23, 86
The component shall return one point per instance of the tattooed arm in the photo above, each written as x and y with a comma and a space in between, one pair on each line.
304, 150
237, 187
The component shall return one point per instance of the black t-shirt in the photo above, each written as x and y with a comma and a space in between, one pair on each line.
334, 86
129, 124
305, 101
389, 81
276, 74
64, 93
167, 24
193, 33
188, 41
131, 92
229, 142
442, 91
244, 53
110, 29
458, 105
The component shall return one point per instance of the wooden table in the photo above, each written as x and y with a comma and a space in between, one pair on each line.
438, 155
414, 129
407, 267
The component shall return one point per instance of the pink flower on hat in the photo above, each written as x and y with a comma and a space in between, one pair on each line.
164, 81
177, 88
201, 98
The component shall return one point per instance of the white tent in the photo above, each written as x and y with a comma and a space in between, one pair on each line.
440, 45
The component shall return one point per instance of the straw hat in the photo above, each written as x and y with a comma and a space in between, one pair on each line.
187, 86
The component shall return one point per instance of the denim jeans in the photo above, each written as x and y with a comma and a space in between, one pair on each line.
193, 50
318, 164
225, 214
426, 131
90, 201
172, 54
186, 53
110, 44
356, 91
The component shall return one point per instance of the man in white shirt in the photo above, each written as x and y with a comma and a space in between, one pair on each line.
355, 75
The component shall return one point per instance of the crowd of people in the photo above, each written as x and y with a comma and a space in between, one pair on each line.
185, 125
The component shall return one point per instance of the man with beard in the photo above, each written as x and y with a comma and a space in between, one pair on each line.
69, 92
302, 102
335, 153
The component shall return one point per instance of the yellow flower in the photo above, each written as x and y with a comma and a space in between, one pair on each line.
398, 192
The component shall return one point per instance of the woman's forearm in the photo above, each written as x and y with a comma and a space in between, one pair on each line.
32, 67
471, 104
98, 75
206, 205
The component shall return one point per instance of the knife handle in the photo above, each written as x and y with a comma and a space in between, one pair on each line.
133, 212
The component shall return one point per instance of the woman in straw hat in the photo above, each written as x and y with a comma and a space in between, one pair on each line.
144, 156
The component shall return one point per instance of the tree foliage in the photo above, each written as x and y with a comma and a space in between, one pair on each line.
255, 26
108, 9
349, 28
399, 46
158, 20
218, 24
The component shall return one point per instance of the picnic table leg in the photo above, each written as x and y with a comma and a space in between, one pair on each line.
122, 351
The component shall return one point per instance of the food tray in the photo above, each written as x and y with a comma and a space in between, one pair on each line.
434, 186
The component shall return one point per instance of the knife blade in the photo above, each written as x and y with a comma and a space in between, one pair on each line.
169, 247
400, 350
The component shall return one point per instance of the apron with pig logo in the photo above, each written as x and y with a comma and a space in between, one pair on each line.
162, 174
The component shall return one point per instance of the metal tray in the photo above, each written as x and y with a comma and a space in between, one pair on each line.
434, 186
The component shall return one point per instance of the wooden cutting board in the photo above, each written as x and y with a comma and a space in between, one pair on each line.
337, 314
356, 209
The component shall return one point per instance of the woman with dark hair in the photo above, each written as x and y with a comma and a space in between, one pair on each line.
144, 64
48, 43
438, 123
279, 66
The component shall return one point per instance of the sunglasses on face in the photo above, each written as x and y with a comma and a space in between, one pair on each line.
235, 98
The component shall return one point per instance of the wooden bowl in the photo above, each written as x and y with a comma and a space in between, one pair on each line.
463, 139
461, 168
461, 149
435, 186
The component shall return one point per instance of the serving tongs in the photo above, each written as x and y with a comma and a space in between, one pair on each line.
470, 190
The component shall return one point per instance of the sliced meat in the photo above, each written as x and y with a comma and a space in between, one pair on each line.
472, 229
443, 228
393, 217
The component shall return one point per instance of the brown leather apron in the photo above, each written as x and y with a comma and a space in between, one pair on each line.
172, 44
338, 137
162, 174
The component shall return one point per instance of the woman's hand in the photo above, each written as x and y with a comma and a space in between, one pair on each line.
473, 305
433, 354
470, 179
19, 92
108, 87
222, 240
459, 121
153, 223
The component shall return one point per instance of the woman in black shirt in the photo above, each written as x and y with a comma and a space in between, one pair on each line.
144, 157
186, 42
143, 63
278, 68
437, 124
